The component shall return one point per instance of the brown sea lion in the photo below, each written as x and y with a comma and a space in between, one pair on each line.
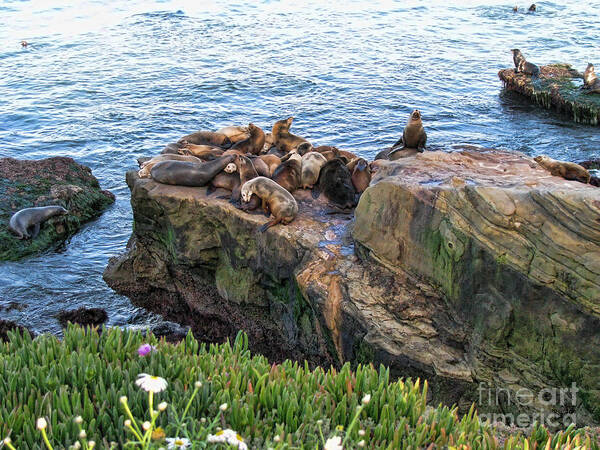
361, 174
289, 173
206, 138
271, 161
261, 167
172, 148
269, 142
282, 138
590, 80
235, 133
26, 223
233, 152
233, 180
147, 166
275, 199
204, 152
253, 144
304, 148
335, 181
522, 66
184, 173
311, 167
404, 153
413, 136
565, 169
348, 155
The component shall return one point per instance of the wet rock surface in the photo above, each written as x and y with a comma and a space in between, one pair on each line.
463, 268
93, 317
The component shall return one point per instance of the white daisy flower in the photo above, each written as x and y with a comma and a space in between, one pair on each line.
41, 424
334, 443
228, 436
177, 443
366, 399
151, 383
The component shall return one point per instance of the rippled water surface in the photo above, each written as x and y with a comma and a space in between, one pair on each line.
106, 83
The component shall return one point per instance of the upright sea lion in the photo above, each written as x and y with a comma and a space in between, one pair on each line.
565, 169
413, 136
516, 9
522, 66
253, 144
335, 181
271, 161
361, 174
283, 139
183, 173
311, 167
206, 138
26, 222
289, 173
275, 199
145, 167
590, 80
235, 133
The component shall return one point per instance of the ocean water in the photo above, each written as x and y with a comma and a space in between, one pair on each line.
107, 82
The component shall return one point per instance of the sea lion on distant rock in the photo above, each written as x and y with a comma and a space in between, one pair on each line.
335, 181
183, 173
522, 66
235, 133
26, 222
283, 139
590, 80
271, 161
206, 138
361, 174
253, 144
147, 166
413, 136
311, 167
275, 199
565, 169
289, 173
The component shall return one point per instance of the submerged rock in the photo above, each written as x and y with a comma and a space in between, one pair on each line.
52, 181
463, 268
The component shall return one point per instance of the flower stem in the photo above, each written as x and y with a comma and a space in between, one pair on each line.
354, 420
46, 441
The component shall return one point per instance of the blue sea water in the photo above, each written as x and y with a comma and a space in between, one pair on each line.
107, 82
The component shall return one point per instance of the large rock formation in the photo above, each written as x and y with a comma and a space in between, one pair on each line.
464, 268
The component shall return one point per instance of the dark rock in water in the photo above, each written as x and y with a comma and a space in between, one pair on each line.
83, 316
7, 325
172, 332
590, 164
595, 181
52, 181
14, 306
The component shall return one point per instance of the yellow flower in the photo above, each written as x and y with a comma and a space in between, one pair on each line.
158, 434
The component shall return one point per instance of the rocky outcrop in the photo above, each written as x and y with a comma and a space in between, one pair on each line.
555, 89
463, 268
52, 181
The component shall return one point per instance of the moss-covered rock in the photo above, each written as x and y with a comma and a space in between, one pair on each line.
52, 181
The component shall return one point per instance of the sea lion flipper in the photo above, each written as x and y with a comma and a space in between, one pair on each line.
269, 224
35, 231
399, 142
211, 189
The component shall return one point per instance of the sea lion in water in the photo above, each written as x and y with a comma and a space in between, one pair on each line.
532, 8
147, 166
522, 66
413, 136
28, 219
335, 181
206, 138
282, 138
253, 144
361, 174
311, 167
183, 173
235, 133
275, 199
565, 169
590, 80
289, 173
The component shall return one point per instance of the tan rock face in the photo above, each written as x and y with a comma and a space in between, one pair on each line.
457, 267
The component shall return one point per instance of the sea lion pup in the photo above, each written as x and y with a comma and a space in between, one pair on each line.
147, 166
522, 66
590, 80
335, 181
184, 173
282, 138
26, 222
206, 138
275, 199
271, 161
361, 174
413, 136
235, 133
565, 169
289, 173
253, 144
311, 167
232, 180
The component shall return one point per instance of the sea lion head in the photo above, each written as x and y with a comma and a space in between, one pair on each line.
230, 168
304, 148
532, 7
416, 115
589, 68
540, 159
252, 128
289, 121
516, 51
361, 164
246, 192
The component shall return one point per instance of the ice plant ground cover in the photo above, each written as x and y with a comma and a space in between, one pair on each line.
84, 382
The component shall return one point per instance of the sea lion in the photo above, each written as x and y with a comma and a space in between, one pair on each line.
590, 80
271, 161
311, 167
404, 153
235, 133
232, 180
289, 173
532, 8
348, 155
24, 43
269, 142
26, 222
204, 152
565, 169
413, 136
146, 166
283, 139
516, 9
206, 138
184, 173
252, 144
281, 204
304, 148
260, 165
361, 174
522, 66
172, 148
335, 181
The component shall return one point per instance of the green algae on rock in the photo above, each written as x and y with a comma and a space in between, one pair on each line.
52, 181
555, 89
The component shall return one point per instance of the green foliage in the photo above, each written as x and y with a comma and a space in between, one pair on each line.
281, 406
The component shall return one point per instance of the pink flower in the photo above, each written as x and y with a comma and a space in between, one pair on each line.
145, 349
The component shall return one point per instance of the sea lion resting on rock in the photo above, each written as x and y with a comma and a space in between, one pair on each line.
235, 133
282, 138
147, 166
206, 138
28, 219
311, 167
335, 181
271, 161
289, 173
275, 199
184, 173
204, 152
413, 136
590, 80
232, 179
522, 66
254, 143
361, 174
565, 169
